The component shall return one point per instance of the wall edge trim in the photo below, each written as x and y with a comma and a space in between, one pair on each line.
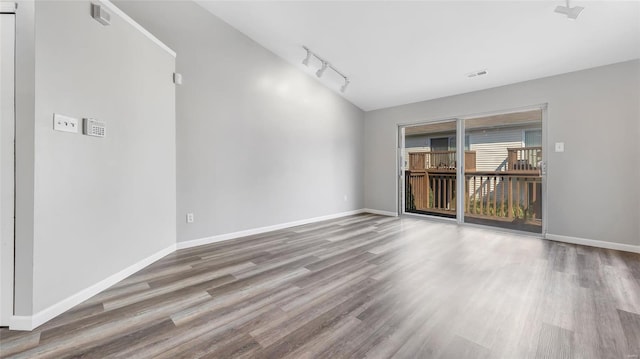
248, 232
380, 212
593, 243
17, 322
111, 6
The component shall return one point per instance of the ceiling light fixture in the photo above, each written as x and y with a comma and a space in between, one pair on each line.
305, 62
325, 65
320, 72
571, 12
346, 83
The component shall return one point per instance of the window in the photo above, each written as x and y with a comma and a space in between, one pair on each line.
440, 144
533, 138
452, 143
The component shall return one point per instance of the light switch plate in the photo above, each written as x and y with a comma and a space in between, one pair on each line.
559, 146
177, 78
65, 123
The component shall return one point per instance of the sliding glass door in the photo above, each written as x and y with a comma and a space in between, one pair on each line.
503, 177
493, 178
430, 169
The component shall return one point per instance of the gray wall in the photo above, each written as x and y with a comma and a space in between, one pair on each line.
592, 186
99, 204
259, 142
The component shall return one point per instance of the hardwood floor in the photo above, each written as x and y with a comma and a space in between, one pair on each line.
360, 286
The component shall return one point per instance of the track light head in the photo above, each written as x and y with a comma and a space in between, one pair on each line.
305, 62
325, 65
571, 12
320, 72
344, 87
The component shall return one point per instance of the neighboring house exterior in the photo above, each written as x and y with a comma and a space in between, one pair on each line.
489, 145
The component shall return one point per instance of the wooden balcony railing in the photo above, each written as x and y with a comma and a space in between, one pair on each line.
430, 192
420, 161
504, 196
521, 159
509, 195
488, 194
524, 159
499, 196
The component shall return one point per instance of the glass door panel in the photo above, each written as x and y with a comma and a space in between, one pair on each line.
430, 169
503, 171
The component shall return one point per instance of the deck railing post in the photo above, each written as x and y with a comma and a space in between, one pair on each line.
495, 199
426, 188
466, 194
510, 198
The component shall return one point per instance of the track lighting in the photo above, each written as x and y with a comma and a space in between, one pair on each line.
325, 66
346, 83
305, 62
571, 12
320, 72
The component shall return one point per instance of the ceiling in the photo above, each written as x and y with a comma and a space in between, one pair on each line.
401, 52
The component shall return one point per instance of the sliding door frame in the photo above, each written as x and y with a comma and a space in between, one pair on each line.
460, 145
400, 164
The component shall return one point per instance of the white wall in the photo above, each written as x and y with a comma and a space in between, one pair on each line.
591, 186
99, 204
259, 142
7, 160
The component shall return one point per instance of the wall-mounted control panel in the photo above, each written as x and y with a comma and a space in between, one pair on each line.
93, 127
65, 123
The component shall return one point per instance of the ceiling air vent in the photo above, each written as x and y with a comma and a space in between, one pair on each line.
477, 73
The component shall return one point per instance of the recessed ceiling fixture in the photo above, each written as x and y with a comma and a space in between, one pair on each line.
571, 12
325, 65
477, 73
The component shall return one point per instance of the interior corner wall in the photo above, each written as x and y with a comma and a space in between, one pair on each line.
98, 205
592, 189
24, 152
259, 142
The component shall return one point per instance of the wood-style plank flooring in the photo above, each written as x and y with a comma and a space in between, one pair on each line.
360, 286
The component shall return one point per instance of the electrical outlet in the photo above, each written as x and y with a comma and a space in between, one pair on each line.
559, 146
189, 217
65, 123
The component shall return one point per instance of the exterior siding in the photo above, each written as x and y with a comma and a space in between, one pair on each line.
490, 146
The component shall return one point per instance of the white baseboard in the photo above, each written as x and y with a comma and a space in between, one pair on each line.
594, 243
382, 213
250, 232
31, 322
17, 322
